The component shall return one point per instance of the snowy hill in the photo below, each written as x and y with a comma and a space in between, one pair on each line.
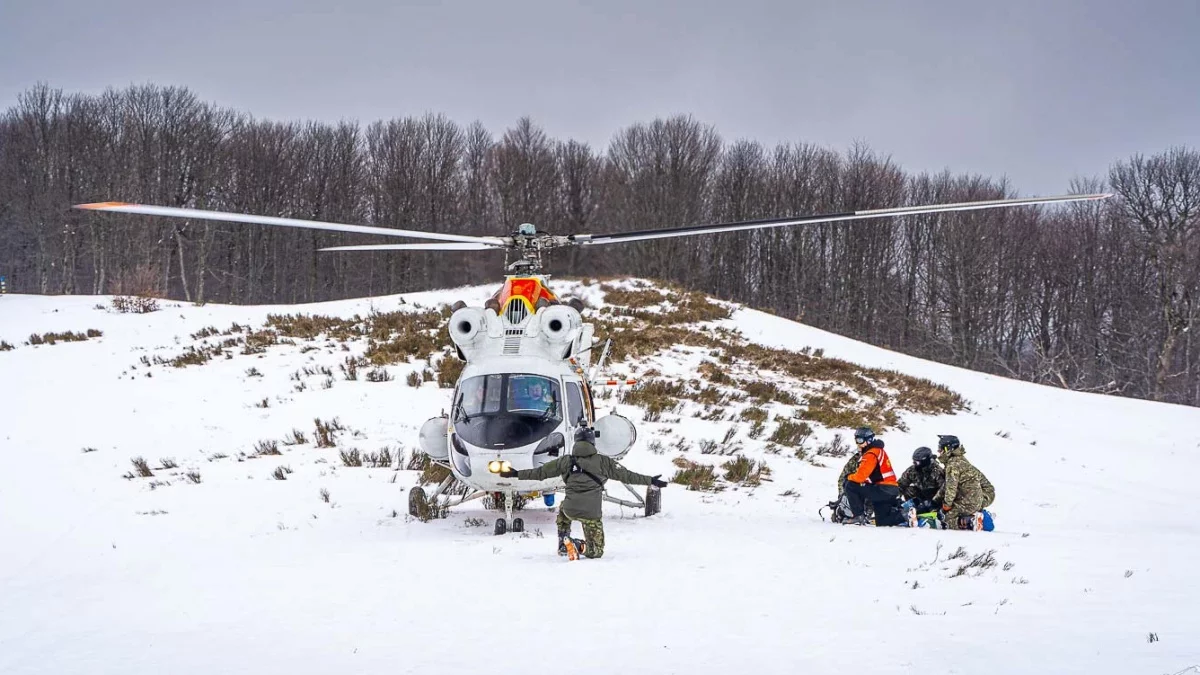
213, 564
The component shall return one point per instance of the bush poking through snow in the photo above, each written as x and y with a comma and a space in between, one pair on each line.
378, 375
350, 367
745, 471
253, 372
142, 467
836, 447
55, 338
135, 304
326, 432
5, 347
91, 449
193, 476
791, 433
413, 379
980, 563
281, 472
697, 477
266, 447
351, 457
168, 463
449, 369
265, 403
297, 437
325, 495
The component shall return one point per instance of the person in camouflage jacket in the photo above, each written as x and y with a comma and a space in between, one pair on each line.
584, 473
967, 490
923, 481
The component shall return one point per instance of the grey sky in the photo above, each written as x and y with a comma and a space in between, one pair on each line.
1039, 91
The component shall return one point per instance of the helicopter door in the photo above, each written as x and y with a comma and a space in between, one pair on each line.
577, 413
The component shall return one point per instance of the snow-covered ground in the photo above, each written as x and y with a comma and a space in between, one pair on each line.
1095, 549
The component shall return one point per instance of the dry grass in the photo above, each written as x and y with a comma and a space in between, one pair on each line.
351, 457
326, 432
836, 447
791, 433
55, 338
142, 467
449, 369
297, 437
413, 379
378, 375
135, 304
193, 476
746, 471
697, 477
266, 447
6, 347
168, 463
281, 472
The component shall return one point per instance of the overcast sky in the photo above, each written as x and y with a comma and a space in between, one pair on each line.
1039, 91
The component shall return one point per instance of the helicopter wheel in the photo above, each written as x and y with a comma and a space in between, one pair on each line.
501, 527
518, 525
418, 505
653, 501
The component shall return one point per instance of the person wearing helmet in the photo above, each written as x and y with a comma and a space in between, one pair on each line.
966, 491
923, 481
874, 481
584, 473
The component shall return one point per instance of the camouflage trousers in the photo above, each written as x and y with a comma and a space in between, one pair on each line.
593, 533
964, 505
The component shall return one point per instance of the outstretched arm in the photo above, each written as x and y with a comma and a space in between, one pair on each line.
613, 471
548, 470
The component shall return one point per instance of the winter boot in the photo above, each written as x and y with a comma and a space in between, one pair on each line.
857, 520
575, 548
563, 536
910, 513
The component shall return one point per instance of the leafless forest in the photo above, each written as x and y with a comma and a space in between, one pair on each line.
1096, 297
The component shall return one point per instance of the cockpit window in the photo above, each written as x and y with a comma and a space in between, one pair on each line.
507, 410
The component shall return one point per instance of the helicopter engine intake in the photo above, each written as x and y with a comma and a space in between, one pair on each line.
468, 326
559, 324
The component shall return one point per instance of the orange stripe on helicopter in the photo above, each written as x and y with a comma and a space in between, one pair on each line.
528, 289
612, 382
103, 205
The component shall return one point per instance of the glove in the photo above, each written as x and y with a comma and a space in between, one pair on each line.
508, 473
658, 482
946, 508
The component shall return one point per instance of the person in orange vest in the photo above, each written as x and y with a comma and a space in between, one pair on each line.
874, 481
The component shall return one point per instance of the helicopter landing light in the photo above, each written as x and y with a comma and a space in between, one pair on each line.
496, 466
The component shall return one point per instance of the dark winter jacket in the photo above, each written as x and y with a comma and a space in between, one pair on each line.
584, 494
921, 485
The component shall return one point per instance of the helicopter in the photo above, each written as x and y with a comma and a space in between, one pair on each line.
529, 376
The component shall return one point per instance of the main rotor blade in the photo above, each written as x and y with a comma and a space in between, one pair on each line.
175, 212
417, 247
640, 235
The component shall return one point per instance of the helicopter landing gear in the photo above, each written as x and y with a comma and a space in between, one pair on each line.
507, 523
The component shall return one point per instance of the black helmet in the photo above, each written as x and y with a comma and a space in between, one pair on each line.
863, 435
923, 457
585, 434
948, 443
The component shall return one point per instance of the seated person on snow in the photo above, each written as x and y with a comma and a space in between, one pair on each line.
967, 491
923, 481
873, 481
584, 473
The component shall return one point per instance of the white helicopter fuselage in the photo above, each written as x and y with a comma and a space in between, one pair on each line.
522, 394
